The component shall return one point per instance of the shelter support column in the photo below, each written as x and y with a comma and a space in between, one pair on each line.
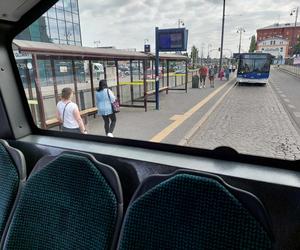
75, 82
39, 91
54, 80
92, 83
131, 80
145, 83
118, 80
186, 76
168, 75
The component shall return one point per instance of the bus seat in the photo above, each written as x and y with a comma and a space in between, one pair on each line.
188, 210
12, 177
70, 201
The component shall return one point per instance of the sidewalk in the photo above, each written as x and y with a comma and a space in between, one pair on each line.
134, 123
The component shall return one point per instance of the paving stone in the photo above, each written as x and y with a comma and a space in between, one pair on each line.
253, 121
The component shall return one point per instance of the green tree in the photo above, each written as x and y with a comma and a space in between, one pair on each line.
194, 55
252, 44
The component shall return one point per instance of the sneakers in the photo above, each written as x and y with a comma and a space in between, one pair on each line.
110, 135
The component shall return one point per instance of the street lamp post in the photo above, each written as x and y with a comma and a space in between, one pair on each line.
208, 56
222, 37
294, 41
240, 30
208, 46
202, 47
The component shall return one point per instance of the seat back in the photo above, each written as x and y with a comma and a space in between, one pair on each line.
12, 175
71, 202
188, 210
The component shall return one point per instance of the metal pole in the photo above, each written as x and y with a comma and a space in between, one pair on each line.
118, 80
139, 69
294, 41
39, 92
54, 80
186, 76
163, 73
75, 82
240, 44
168, 76
105, 74
156, 69
202, 54
222, 37
208, 51
131, 80
92, 82
145, 83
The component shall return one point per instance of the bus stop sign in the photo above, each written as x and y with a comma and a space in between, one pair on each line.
172, 39
167, 40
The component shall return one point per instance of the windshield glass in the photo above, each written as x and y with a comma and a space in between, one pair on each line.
201, 74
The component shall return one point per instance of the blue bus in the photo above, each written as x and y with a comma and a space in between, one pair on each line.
254, 68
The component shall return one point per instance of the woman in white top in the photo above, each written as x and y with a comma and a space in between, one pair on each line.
68, 113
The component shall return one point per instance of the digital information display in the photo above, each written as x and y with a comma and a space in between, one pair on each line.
172, 39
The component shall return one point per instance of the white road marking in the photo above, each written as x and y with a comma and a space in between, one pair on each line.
287, 100
284, 96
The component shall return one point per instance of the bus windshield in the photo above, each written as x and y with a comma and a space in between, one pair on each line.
197, 74
254, 65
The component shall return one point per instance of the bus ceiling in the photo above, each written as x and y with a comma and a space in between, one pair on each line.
13, 10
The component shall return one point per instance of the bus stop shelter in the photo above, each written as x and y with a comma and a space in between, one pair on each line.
84, 57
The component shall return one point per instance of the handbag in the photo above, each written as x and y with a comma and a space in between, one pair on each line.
114, 105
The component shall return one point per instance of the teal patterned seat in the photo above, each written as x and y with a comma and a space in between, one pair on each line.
191, 211
12, 173
72, 202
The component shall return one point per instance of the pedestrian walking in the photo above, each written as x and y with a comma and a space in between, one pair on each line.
68, 114
211, 73
227, 73
203, 74
221, 74
233, 68
104, 99
216, 70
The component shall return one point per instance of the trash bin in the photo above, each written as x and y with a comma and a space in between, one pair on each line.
195, 81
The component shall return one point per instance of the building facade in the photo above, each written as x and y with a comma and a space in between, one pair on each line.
276, 31
278, 47
60, 24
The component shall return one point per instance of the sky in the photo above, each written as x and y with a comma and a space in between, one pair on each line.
126, 24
